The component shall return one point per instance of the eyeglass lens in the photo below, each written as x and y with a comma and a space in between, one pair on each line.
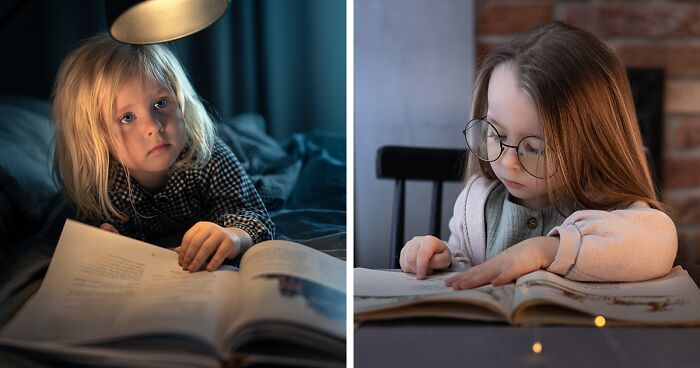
484, 141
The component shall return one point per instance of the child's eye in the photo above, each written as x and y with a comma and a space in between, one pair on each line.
535, 151
161, 103
127, 118
494, 136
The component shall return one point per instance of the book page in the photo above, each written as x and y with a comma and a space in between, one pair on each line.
377, 290
389, 283
292, 259
673, 298
102, 286
289, 283
276, 298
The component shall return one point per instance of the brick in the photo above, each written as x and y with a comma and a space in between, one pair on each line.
676, 59
625, 19
482, 49
681, 173
686, 135
507, 17
692, 249
683, 209
682, 97
688, 246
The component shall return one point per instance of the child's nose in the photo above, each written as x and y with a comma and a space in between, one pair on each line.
156, 124
509, 158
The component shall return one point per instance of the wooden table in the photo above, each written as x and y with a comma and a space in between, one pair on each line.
452, 343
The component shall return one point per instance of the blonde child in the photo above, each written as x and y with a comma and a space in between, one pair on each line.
137, 154
557, 177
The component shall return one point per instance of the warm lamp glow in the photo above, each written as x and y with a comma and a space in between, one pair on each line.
599, 321
155, 21
537, 347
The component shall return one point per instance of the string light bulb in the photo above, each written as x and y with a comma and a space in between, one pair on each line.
599, 321
537, 347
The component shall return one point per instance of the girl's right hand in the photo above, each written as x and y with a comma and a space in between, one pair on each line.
109, 228
423, 254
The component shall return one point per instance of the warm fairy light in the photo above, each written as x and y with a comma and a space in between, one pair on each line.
599, 321
537, 347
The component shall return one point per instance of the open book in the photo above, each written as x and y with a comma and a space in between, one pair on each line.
115, 301
539, 297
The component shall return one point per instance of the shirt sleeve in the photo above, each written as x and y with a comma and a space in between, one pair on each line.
632, 244
232, 200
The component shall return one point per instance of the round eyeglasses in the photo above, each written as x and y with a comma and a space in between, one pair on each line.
484, 141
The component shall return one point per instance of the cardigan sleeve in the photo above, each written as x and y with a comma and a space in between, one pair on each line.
458, 238
632, 244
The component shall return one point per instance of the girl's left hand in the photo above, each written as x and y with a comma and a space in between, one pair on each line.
527, 256
206, 239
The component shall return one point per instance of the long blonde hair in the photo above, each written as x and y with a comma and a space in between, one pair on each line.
84, 102
583, 99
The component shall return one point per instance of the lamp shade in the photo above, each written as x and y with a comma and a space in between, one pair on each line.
155, 21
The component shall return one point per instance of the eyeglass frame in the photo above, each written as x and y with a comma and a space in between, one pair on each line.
503, 146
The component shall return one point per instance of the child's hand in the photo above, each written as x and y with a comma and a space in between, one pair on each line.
423, 254
527, 256
206, 239
109, 228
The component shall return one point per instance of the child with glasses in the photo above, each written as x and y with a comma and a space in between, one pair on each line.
137, 154
557, 178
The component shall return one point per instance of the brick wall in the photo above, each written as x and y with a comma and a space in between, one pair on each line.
648, 33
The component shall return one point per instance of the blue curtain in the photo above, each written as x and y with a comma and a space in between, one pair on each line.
282, 59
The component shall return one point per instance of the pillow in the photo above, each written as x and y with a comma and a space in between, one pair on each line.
26, 154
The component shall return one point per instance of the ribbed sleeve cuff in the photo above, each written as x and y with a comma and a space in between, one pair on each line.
569, 245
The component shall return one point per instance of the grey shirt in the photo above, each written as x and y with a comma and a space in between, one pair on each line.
508, 223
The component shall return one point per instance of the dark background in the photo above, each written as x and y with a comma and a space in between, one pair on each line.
282, 59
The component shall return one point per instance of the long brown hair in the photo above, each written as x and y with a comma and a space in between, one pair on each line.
583, 99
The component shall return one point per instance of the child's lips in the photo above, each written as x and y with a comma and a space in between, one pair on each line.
512, 184
159, 148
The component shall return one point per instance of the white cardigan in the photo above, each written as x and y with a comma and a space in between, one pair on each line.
632, 244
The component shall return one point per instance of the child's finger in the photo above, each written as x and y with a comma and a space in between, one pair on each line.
181, 254
403, 263
109, 228
208, 247
186, 240
440, 260
458, 277
409, 259
190, 234
221, 254
195, 243
403, 256
422, 261
478, 279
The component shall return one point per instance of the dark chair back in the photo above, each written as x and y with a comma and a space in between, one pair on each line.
417, 163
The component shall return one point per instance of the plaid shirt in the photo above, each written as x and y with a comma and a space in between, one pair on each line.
219, 192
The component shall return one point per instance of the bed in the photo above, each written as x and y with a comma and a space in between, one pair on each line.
301, 181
